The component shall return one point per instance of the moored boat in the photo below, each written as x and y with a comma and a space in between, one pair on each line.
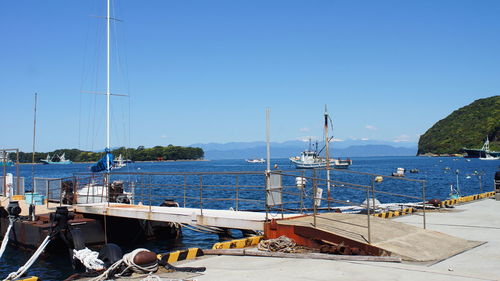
309, 159
483, 152
61, 160
256, 160
4, 159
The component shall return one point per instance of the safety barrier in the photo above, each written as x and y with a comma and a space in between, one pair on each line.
237, 244
176, 256
391, 214
451, 202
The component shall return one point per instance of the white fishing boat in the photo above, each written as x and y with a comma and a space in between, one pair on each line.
119, 163
311, 159
256, 160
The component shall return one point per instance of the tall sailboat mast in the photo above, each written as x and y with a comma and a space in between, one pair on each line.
107, 84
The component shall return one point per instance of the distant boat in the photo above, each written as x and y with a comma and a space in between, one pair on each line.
489, 157
261, 160
119, 163
309, 159
4, 160
61, 160
481, 153
400, 172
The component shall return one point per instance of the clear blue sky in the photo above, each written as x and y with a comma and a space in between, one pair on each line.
204, 71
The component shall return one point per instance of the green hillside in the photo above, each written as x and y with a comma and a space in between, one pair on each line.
465, 127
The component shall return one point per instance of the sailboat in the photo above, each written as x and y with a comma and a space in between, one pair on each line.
99, 192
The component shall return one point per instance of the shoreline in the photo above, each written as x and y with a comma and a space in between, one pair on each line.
146, 161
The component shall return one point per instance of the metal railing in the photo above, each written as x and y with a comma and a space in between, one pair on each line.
278, 193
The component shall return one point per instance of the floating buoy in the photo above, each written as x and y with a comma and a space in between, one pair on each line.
379, 179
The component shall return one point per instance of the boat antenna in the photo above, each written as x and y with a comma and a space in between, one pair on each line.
327, 152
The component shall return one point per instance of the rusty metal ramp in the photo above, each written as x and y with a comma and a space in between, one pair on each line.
387, 237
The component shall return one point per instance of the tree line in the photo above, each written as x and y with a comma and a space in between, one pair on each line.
157, 153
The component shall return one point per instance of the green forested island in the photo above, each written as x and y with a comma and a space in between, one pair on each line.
466, 127
157, 153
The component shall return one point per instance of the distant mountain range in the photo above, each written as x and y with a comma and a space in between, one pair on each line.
350, 148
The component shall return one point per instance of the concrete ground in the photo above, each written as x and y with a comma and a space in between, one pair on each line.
479, 221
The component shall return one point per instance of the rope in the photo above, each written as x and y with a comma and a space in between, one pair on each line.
128, 260
89, 259
29, 263
281, 244
5, 239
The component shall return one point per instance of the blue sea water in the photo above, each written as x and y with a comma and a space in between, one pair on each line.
438, 172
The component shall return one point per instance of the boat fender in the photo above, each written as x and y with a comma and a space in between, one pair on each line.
110, 254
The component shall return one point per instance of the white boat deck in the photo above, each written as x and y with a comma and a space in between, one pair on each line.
192, 216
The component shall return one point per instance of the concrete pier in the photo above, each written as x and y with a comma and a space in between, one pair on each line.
478, 221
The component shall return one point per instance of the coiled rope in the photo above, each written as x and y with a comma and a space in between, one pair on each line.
128, 260
29, 263
89, 259
281, 244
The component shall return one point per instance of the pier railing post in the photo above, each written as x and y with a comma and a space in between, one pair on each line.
315, 191
47, 192
423, 202
150, 187
201, 195
302, 191
368, 214
185, 186
237, 192
373, 193
268, 192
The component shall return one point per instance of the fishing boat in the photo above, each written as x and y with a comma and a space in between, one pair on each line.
119, 163
56, 159
256, 160
311, 159
484, 152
